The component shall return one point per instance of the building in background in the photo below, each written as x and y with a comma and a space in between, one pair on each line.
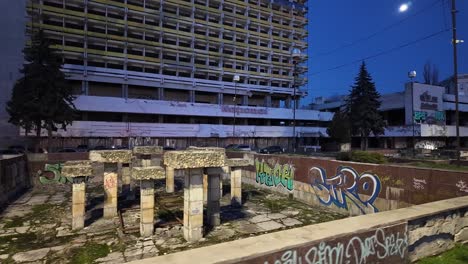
425, 113
164, 70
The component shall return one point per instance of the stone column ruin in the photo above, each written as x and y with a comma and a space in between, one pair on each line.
79, 171
146, 176
195, 160
110, 158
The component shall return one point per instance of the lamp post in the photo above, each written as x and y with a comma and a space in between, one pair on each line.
455, 77
296, 54
235, 79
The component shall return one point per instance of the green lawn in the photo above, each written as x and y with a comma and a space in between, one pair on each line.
457, 255
442, 166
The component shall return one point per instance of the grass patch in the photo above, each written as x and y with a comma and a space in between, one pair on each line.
442, 166
16, 221
457, 255
89, 253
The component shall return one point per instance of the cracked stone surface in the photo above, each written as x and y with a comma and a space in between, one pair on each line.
36, 228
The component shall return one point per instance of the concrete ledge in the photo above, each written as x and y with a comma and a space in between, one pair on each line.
148, 173
192, 148
147, 150
238, 162
111, 156
194, 159
77, 169
242, 250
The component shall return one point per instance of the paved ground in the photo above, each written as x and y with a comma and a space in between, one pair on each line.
37, 227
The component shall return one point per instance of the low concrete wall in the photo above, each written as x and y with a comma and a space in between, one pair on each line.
14, 178
397, 236
37, 162
350, 187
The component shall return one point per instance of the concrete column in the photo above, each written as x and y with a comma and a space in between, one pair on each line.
205, 188
226, 175
213, 207
110, 189
193, 205
220, 98
78, 202
147, 208
245, 100
126, 180
268, 100
287, 102
236, 187
169, 180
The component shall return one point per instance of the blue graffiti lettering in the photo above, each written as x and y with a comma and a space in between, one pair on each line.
346, 186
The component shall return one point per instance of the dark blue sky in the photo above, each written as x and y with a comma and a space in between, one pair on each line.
336, 23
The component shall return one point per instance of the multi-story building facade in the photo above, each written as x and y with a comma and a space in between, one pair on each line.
422, 115
169, 68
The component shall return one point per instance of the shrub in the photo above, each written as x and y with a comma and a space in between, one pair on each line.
362, 156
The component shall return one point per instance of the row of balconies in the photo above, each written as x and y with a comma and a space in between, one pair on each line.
214, 21
232, 8
237, 58
174, 70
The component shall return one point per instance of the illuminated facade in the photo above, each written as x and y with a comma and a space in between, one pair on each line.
166, 68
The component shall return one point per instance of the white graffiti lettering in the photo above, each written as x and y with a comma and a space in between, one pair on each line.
357, 250
462, 186
419, 184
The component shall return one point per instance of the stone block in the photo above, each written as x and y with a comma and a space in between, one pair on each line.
238, 162
111, 156
194, 159
169, 180
148, 150
148, 173
76, 169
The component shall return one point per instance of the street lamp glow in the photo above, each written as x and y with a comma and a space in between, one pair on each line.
403, 8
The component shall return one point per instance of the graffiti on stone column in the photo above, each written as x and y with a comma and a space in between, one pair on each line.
56, 170
347, 186
276, 175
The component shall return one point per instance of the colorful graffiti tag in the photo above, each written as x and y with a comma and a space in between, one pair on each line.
274, 176
347, 186
56, 170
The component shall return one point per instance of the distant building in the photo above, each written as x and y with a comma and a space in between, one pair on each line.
164, 70
425, 112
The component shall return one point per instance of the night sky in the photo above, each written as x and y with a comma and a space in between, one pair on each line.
335, 24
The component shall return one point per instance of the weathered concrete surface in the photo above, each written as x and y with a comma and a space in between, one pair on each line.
238, 162
147, 173
241, 251
77, 169
78, 204
110, 190
147, 208
169, 180
213, 200
236, 186
148, 150
194, 159
193, 205
111, 156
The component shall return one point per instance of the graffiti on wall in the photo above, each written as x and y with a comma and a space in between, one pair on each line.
347, 186
383, 245
462, 186
56, 170
276, 175
419, 184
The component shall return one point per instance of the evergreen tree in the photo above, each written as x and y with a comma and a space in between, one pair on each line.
339, 128
362, 106
42, 98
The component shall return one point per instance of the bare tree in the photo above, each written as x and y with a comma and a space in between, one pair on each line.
430, 74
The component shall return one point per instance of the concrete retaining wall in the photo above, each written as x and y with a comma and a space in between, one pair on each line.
397, 236
356, 188
14, 178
